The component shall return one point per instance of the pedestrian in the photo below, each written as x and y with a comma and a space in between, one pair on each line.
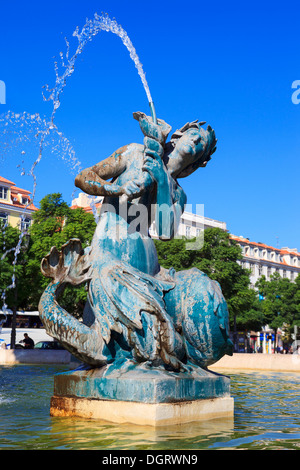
28, 342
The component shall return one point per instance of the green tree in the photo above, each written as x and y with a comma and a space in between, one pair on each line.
280, 302
53, 225
218, 258
12, 265
13, 257
297, 302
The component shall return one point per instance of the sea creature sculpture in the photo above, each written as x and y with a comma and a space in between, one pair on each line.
136, 310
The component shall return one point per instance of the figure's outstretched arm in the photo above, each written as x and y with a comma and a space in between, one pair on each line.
93, 180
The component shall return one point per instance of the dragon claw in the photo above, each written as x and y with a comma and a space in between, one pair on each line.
68, 265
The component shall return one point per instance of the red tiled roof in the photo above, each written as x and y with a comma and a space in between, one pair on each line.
15, 190
32, 207
87, 208
4, 180
21, 206
19, 190
263, 245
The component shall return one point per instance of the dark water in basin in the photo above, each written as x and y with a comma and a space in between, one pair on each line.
267, 416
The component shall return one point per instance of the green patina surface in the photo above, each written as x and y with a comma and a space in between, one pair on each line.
141, 386
149, 333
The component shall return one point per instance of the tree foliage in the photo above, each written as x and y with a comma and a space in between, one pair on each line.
13, 258
20, 256
53, 225
280, 301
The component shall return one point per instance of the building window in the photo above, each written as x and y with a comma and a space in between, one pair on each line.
198, 231
3, 192
25, 224
284, 273
260, 270
269, 272
3, 218
292, 275
187, 231
25, 200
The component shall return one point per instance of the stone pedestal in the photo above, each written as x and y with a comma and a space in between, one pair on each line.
144, 397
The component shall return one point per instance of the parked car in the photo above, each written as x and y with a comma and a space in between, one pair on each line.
48, 345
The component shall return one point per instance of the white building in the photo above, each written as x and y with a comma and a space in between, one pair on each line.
265, 260
191, 225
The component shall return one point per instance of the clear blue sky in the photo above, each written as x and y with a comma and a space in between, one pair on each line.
230, 63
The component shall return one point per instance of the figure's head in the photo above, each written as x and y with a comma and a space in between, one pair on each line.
190, 147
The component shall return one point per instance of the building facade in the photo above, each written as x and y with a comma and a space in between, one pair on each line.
192, 225
262, 259
16, 206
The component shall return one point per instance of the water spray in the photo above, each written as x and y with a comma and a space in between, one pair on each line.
153, 113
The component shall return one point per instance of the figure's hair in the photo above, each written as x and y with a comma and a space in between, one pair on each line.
209, 134
189, 125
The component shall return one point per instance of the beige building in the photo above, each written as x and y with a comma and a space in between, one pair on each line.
16, 207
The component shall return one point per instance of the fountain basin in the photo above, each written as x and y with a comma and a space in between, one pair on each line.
34, 356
